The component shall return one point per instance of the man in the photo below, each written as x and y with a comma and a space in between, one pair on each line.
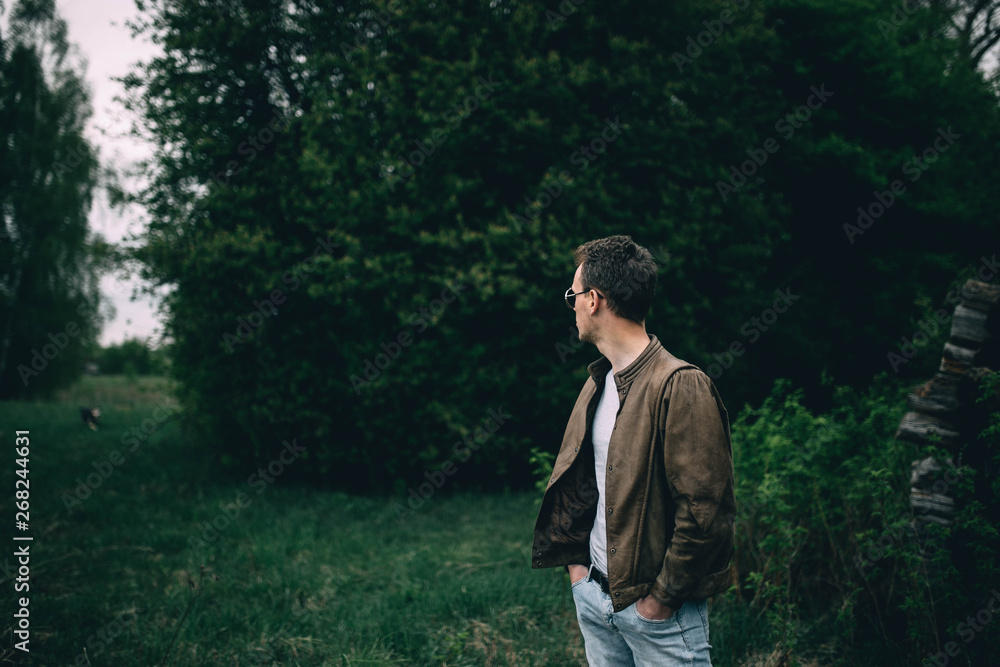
640, 506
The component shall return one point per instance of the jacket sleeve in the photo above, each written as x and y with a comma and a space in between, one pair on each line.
697, 455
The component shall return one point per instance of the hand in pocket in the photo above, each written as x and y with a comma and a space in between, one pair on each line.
577, 572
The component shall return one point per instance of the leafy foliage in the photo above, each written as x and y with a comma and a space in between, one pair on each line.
362, 164
50, 306
829, 554
132, 356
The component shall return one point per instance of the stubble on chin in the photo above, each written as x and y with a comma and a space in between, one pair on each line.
588, 337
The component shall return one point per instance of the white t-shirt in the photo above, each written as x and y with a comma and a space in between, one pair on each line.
604, 423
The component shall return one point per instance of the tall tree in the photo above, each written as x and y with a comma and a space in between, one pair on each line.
976, 24
49, 299
472, 144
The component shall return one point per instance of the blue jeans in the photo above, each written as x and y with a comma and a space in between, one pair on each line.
625, 638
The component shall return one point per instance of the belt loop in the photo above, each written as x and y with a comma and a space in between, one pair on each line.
590, 572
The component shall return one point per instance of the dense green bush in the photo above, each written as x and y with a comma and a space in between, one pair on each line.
327, 177
828, 556
132, 356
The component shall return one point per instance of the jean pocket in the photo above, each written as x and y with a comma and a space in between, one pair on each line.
655, 621
577, 583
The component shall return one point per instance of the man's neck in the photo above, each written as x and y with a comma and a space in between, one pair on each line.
623, 349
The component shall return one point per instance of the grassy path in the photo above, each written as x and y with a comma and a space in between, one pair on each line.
125, 556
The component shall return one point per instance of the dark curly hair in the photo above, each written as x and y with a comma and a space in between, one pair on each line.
623, 271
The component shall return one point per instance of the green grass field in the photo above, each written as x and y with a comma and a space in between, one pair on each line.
124, 571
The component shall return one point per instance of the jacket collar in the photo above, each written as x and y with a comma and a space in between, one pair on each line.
599, 369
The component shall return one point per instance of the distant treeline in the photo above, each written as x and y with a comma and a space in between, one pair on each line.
132, 356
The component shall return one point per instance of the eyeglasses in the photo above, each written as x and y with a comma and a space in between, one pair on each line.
571, 297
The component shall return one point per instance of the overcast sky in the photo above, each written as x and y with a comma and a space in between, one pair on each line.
97, 28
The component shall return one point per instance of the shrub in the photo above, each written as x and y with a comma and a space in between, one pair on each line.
831, 562
133, 356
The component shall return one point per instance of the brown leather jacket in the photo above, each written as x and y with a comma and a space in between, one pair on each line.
670, 500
